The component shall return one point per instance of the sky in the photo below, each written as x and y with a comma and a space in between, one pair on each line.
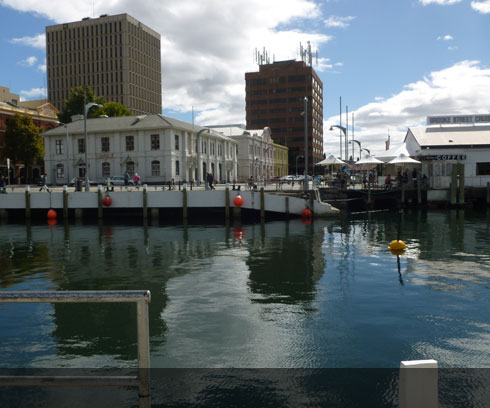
393, 62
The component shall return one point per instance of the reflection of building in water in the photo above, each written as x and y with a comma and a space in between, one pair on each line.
286, 269
105, 258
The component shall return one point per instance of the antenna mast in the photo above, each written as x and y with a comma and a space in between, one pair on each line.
306, 55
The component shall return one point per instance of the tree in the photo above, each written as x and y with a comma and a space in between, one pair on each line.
22, 141
113, 109
79, 97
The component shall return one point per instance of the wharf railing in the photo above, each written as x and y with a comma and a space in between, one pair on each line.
140, 297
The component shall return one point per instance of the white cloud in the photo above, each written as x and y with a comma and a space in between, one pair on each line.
452, 48
458, 89
481, 6
338, 22
38, 41
35, 93
42, 67
446, 37
207, 46
440, 2
28, 62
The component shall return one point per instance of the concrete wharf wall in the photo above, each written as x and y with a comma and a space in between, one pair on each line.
148, 201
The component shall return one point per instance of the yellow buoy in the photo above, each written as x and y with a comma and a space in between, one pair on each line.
397, 245
397, 252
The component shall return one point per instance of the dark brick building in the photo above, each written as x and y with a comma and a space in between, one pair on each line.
275, 98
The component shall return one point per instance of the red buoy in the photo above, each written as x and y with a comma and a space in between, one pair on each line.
238, 233
238, 201
51, 214
306, 213
52, 222
107, 201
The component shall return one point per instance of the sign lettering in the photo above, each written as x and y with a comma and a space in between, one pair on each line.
459, 119
459, 157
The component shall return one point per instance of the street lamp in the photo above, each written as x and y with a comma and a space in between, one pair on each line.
88, 106
65, 125
367, 150
298, 157
360, 149
305, 184
344, 131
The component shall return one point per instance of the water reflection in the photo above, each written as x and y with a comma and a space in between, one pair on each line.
280, 294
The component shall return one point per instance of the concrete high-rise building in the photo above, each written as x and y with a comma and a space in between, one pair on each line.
275, 99
117, 56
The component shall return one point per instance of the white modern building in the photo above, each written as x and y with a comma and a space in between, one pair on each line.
157, 147
448, 140
255, 151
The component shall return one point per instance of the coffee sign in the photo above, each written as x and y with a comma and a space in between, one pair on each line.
458, 157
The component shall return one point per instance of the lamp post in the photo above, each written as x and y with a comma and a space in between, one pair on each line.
359, 144
344, 131
305, 184
87, 107
65, 125
298, 157
367, 150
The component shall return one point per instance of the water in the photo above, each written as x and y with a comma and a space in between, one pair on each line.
281, 295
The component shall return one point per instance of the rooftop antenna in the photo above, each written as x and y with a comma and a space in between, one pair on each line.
262, 57
306, 54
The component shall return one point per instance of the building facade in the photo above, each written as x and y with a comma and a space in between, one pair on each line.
256, 151
275, 99
117, 56
441, 146
280, 160
156, 147
44, 116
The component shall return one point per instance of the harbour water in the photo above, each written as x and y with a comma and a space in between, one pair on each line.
325, 295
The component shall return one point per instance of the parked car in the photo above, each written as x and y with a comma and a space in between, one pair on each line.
74, 179
119, 181
289, 178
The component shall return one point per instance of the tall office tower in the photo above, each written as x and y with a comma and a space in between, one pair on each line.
275, 99
117, 56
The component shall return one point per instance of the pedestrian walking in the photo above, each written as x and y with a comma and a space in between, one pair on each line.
44, 180
126, 179
211, 181
136, 179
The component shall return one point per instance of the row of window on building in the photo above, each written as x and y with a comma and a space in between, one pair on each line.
214, 147
68, 34
106, 169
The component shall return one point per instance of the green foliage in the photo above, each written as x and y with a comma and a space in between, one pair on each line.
113, 109
22, 140
74, 105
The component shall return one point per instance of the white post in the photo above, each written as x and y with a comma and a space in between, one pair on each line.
418, 385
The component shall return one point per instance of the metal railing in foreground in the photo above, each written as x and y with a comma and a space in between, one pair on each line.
140, 297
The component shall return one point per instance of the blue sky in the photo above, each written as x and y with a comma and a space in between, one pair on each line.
393, 62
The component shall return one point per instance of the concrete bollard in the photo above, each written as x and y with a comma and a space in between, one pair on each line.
262, 203
461, 183
418, 387
65, 202
184, 205
28, 202
145, 201
99, 201
227, 202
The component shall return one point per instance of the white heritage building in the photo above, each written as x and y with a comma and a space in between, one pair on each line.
448, 140
156, 147
255, 151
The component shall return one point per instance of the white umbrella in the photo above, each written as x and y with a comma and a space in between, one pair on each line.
369, 160
330, 160
403, 159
